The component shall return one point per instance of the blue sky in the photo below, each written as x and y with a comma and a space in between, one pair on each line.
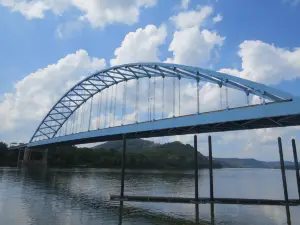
249, 33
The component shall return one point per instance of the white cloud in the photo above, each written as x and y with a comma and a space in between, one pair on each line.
267, 63
67, 29
30, 9
98, 13
192, 18
36, 93
217, 18
141, 45
185, 4
193, 46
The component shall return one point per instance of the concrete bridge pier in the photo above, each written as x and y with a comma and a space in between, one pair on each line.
34, 158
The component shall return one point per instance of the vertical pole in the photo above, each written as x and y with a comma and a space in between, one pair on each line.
221, 97
91, 109
162, 99
122, 178
198, 97
99, 108
179, 96
115, 105
123, 165
286, 197
73, 122
29, 156
45, 156
296, 166
196, 179
19, 154
26, 156
154, 84
247, 98
66, 127
173, 96
149, 93
111, 106
105, 112
137, 101
211, 182
226, 92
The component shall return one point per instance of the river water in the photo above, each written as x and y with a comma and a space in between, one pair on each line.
81, 196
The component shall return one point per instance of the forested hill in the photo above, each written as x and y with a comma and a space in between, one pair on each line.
130, 144
252, 163
154, 155
141, 154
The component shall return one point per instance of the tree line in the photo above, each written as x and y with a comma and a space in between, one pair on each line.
172, 156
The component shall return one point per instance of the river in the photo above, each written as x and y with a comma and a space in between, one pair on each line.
81, 196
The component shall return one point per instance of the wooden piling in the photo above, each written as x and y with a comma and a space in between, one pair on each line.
19, 156
286, 197
296, 165
122, 179
211, 181
196, 179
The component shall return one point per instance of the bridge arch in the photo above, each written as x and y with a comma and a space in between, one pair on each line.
102, 80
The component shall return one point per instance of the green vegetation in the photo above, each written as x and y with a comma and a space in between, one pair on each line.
7, 158
140, 155
252, 163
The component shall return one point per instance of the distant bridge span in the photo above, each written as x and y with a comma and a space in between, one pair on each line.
84, 102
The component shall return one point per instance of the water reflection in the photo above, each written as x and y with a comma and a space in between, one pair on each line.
81, 196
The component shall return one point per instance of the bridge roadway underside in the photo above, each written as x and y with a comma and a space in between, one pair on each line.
279, 114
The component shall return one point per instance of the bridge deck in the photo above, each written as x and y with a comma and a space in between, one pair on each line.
279, 114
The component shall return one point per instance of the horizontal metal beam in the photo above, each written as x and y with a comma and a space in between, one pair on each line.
229, 201
197, 123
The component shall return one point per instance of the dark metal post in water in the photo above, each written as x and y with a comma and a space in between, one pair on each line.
19, 154
211, 181
286, 197
196, 179
123, 165
122, 178
296, 165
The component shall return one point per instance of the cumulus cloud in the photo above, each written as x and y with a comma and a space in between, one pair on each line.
98, 13
191, 44
36, 93
266, 63
192, 18
141, 45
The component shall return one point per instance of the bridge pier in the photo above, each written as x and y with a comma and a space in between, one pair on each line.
19, 157
34, 158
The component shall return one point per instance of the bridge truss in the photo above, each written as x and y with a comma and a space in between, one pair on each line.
88, 111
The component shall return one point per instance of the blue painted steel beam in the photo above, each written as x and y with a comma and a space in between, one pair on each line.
250, 117
140, 70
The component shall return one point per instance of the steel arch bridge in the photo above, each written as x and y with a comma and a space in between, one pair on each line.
276, 109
